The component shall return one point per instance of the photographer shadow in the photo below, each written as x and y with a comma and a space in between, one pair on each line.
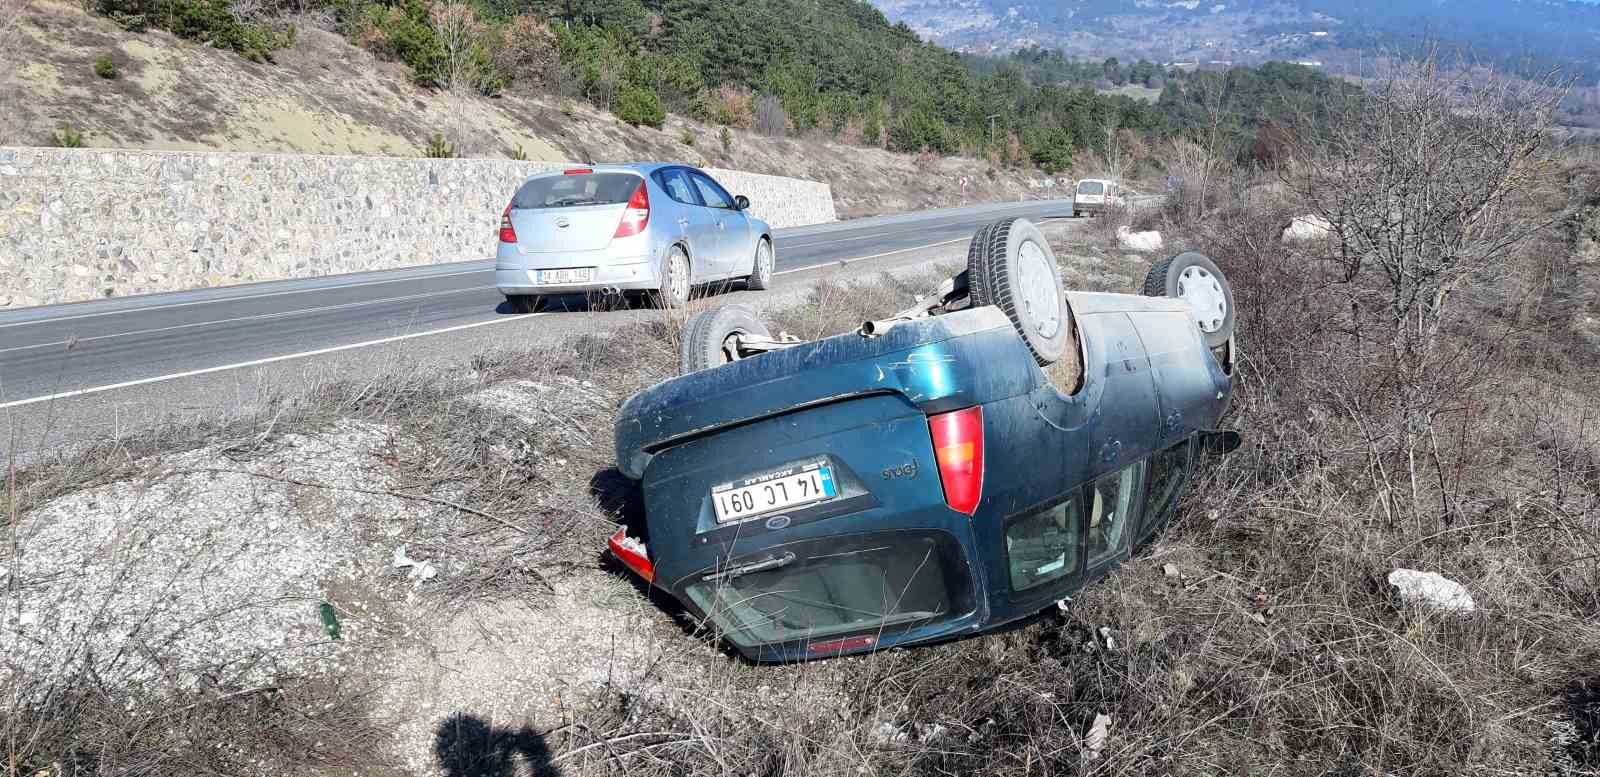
468, 746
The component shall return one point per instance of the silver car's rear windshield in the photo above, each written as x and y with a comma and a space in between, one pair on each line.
570, 191
1091, 187
829, 588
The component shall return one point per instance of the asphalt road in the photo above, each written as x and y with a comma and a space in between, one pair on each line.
64, 366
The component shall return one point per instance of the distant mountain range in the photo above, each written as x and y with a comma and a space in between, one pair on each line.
1334, 34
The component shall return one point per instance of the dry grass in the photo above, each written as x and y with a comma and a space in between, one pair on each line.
1277, 650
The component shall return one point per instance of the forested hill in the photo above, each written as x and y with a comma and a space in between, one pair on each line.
837, 67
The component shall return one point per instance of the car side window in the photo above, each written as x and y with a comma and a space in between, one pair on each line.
1169, 469
676, 184
711, 193
1111, 502
1043, 546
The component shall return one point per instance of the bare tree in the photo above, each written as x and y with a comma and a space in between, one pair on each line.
609, 79
1422, 177
771, 119
1111, 148
1213, 100
1427, 182
459, 31
459, 68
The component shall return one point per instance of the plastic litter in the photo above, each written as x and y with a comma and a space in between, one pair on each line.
421, 571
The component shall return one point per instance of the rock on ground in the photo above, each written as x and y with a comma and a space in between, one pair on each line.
1139, 241
1307, 228
1431, 589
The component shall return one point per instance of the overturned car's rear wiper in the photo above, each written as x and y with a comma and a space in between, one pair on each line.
755, 566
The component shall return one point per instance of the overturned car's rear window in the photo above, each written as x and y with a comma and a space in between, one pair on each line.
862, 584
570, 191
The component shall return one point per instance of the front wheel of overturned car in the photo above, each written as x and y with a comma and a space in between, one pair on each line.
1010, 265
711, 338
525, 303
1194, 278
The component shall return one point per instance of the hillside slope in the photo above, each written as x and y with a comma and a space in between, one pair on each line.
325, 96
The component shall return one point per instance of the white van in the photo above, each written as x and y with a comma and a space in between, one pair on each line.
1095, 196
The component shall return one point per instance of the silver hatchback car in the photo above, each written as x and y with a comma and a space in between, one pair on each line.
657, 228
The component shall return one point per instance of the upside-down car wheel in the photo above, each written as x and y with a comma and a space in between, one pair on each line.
1010, 265
1194, 278
708, 339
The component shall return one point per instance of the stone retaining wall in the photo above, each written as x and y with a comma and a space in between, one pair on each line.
78, 224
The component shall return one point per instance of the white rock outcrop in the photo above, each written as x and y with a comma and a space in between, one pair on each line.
1430, 589
1139, 241
1307, 228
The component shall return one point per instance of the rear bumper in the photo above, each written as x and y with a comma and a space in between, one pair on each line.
636, 274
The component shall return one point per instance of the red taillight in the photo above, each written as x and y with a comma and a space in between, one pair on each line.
637, 215
841, 645
958, 447
508, 233
632, 554
577, 171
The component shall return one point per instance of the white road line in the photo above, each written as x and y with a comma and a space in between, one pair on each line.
257, 317
382, 341
263, 295
268, 360
832, 262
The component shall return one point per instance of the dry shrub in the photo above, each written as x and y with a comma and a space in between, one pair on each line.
372, 33
730, 105
75, 728
524, 51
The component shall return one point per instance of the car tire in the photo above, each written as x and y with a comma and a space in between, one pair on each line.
1077, 214
1194, 278
525, 303
675, 280
705, 339
1010, 265
761, 267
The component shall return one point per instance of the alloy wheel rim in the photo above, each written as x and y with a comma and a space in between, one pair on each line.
680, 278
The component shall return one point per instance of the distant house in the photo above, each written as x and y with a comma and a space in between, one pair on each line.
1310, 62
1319, 34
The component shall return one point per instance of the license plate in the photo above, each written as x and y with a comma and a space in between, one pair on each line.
571, 275
773, 491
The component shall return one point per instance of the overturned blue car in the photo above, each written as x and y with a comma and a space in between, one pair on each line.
966, 463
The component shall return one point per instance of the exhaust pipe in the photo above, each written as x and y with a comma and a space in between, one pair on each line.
879, 327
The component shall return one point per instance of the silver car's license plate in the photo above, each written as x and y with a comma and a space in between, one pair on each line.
772, 491
570, 275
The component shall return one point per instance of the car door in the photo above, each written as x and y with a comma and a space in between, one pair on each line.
730, 225
691, 222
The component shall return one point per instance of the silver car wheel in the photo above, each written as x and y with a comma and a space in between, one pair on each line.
1041, 300
1201, 290
678, 276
